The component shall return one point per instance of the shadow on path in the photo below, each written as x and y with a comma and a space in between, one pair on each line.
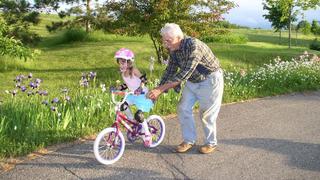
300, 155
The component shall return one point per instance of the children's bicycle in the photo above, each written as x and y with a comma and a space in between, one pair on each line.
109, 145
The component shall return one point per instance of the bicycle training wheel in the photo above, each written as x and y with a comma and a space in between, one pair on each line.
157, 129
109, 147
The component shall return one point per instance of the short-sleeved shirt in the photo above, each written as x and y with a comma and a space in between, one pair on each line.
193, 61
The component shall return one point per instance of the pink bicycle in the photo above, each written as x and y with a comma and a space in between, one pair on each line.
109, 145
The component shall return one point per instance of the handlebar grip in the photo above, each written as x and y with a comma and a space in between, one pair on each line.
119, 93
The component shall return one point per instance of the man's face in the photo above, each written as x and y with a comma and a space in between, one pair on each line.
171, 43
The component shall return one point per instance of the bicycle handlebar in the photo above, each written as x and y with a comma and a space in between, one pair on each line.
122, 93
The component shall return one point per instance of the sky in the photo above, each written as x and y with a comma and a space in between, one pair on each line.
250, 13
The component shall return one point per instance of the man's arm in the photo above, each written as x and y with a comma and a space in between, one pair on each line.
155, 93
169, 72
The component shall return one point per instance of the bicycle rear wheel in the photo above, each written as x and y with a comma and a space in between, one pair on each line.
108, 147
157, 129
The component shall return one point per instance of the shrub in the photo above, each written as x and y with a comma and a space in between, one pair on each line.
228, 39
315, 45
74, 35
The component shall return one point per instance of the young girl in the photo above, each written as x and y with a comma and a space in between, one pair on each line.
135, 82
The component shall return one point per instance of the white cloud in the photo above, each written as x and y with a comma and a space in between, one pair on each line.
250, 13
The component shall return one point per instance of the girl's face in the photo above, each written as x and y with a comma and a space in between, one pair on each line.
124, 64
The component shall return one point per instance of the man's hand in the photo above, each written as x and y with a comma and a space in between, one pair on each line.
154, 94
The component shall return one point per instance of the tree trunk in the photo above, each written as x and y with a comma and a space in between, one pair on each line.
290, 14
88, 15
296, 37
158, 48
280, 37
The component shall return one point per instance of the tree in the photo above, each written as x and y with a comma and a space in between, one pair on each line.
275, 16
141, 17
288, 11
19, 15
304, 26
11, 47
315, 28
84, 13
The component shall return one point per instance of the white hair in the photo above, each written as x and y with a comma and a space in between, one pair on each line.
172, 30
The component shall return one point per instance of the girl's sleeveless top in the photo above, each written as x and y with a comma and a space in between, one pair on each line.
133, 82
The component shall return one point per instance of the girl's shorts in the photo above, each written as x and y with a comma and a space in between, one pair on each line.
140, 101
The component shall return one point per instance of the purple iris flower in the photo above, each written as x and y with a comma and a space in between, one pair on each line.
18, 85
64, 90
92, 75
23, 88
36, 85
38, 81
45, 102
55, 100
53, 108
14, 92
84, 83
18, 79
30, 93
32, 85
44, 93
83, 76
67, 98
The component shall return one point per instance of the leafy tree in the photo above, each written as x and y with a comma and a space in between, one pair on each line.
19, 15
304, 26
141, 17
287, 11
275, 16
11, 47
84, 14
315, 28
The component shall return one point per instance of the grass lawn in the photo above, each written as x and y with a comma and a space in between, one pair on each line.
60, 65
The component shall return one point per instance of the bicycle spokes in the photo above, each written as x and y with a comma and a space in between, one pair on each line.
110, 147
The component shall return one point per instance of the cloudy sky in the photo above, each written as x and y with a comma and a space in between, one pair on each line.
249, 13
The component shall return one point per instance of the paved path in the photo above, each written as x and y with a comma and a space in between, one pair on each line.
270, 138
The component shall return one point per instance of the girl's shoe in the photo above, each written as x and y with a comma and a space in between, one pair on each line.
147, 140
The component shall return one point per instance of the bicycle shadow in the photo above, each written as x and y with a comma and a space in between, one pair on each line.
301, 155
77, 158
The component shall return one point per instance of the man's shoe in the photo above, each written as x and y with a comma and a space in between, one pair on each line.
184, 147
208, 148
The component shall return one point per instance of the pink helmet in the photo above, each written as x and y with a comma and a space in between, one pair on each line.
124, 53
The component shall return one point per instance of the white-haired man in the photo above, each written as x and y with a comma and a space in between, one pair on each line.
192, 61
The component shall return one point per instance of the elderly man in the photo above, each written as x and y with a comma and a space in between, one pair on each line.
192, 61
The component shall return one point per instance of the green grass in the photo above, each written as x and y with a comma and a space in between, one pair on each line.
60, 65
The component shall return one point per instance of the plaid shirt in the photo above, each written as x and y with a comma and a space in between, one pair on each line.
191, 53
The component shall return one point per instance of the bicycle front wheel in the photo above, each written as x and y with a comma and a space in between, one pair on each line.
109, 146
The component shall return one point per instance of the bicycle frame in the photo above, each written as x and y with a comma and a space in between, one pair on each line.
122, 119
